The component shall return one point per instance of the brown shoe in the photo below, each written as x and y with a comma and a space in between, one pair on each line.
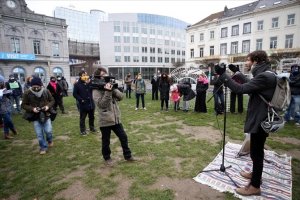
247, 175
248, 190
50, 144
7, 137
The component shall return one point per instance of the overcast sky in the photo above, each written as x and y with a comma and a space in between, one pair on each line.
188, 11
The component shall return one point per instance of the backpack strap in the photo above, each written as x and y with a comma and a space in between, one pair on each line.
268, 103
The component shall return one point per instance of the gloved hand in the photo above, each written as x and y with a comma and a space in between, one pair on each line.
233, 68
220, 69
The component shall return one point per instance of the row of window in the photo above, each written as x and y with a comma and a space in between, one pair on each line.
153, 50
144, 40
245, 46
246, 28
16, 46
144, 59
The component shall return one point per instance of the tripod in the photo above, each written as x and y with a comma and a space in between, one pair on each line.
222, 167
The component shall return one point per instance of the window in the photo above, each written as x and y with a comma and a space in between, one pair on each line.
183, 53
126, 39
117, 58
201, 51
172, 60
144, 40
259, 44
152, 59
246, 46
117, 48
159, 59
167, 59
159, 50
117, 27
235, 30
144, 49
273, 42
260, 25
160, 41
234, 47
201, 36
136, 59
57, 71
152, 49
126, 58
172, 52
291, 19
135, 40
40, 72
152, 40
144, 30
192, 53
167, 51
19, 72
166, 33
117, 39
126, 27
152, 31
167, 42
135, 29
172, 34
289, 41
178, 52
15, 45
135, 49
192, 38
173, 43
211, 50
55, 49
223, 49
247, 28
126, 48
275, 22
212, 34
224, 32
159, 32
36, 47
144, 59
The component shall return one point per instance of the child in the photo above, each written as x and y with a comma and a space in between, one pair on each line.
175, 97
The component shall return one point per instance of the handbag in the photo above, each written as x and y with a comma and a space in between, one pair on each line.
30, 116
53, 114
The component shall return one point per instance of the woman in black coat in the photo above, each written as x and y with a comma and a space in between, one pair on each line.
164, 89
57, 92
201, 88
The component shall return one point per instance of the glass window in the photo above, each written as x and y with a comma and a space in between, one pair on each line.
41, 73
167, 51
15, 45
224, 32
275, 22
273, 42
152, 40
55, 49
201, 36
223, 49
126, 39
36, 47
212, 34
192, 53
144, 30
247, 28
19, 73
136, 59
211, 50
178, 52
117, 39
260, 25
144, 49
167, 42
117, 48
246, 46
135, 49
135, 29
152, 31
234, 47
126, 58
289, 41
126, 48
166, 33
152, 49
201, 52
259, 44
159, 59
117, 27
192, 38
152, 59
172, 60
183, 53
144, 59
126, 27
167, 59
144, 40
172, 51
291, 19
159, 50
57, 71
159, 32
135, 40
117, 58
235, 30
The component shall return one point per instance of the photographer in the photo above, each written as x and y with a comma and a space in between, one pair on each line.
263, 83
36, 102
106, 99
82, 92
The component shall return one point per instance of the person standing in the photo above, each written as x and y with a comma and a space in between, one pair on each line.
218, 95
237, 77
27, 84
37, 100
57, 92
140, 91
164, 89
17, 93
82, 92
155, 85
110, 117
263, 83
201, 88
128, 82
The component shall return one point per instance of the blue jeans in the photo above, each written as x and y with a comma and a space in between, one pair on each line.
15, 99
40, 129
7, 121
138, 100
219, 101
293, 109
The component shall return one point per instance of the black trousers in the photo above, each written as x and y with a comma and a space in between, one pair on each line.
154, 93
166, 101
119, 131
233, 100
138, 100
257, 143
83, 114
59, 102
128, 91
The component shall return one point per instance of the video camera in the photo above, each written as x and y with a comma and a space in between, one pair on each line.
99, 83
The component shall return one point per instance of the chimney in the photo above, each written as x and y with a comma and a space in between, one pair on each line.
225, 9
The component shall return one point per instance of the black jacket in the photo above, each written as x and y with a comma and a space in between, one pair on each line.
17, 91
295, 84
186, 91
263, 83
164, 88
155, 82
217, 85
201, 87
82, 92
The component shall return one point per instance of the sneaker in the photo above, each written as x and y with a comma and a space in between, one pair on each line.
248, 190
50, 144
131, 159
247, 175
83, 133
42, 152
93, 130
109, 162
7, 137
136, 109
297, 124
145, 108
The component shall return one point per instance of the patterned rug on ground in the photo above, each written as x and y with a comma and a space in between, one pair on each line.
276, 180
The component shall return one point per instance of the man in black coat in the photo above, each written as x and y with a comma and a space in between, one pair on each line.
263, 83
17, 92
82, 92
155, 83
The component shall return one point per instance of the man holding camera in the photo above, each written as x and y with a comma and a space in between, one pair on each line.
263, 83
37, 101
106, 100
82, 92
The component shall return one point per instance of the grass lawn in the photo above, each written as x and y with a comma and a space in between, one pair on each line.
171, 147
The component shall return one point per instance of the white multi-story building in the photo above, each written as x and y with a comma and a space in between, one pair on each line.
139, 42
228, 36
82, 26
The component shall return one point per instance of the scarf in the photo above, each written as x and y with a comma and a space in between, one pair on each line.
53, 84
37, 94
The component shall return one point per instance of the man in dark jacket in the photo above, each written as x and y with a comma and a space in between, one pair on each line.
263, 83
57, 92
82, 92
17, 92
155, 84
164, 89
218, 92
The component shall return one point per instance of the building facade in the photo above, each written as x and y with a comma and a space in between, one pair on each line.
139, 42
228, 36
31, 44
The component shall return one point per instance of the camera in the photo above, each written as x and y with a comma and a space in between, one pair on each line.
99, 83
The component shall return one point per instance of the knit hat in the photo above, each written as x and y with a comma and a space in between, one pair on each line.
36, 81
1, 78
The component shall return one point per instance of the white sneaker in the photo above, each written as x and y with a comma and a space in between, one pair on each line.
297, 124
136, 108
145, 108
